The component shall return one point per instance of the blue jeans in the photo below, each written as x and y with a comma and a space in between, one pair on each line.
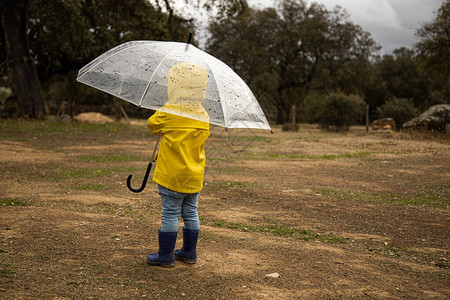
174, 204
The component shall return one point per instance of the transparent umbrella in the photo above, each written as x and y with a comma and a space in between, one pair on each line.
138, 71
176, 78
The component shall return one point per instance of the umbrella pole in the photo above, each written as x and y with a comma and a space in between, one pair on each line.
147, 173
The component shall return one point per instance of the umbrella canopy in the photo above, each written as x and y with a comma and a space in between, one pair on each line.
177, 78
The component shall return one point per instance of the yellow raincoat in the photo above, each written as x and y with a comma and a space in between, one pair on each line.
181, 159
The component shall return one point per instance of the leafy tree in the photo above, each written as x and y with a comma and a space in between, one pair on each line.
65, 35
434, 51
340, 111
68, 34
15, 39
402, 77
376, 91
285, 53
225, 8
312, 108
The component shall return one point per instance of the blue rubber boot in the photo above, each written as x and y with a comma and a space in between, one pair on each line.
164, 257
188, 253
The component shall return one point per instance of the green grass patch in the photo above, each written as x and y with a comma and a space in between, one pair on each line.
107, 159
86, 173
246, 139
66, 172
54, 135
389, 250
276, 230
229, 169
12, 202
91, 187
220, 185
111, 209
441, 263
46, 127
275, 156
216, 159
432, 198
5, 272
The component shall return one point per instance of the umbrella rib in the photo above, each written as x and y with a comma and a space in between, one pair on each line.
225, 120
153, 75
223, 107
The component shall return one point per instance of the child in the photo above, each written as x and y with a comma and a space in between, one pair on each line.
181, 161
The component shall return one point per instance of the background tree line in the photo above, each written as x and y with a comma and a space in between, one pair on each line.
61, 36
293, 54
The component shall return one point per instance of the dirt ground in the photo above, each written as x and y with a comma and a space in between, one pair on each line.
335, 215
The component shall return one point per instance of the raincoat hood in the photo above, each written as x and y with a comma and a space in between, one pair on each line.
186, 88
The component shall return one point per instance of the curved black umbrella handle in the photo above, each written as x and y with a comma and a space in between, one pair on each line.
149, 168
144, 182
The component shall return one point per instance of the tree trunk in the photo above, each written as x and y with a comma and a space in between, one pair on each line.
294, 121
26, 82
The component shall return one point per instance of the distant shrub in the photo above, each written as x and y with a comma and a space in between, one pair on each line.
339, 111
399, 109
312, 107
288, 127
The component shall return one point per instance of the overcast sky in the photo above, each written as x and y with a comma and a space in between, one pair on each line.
392, 23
